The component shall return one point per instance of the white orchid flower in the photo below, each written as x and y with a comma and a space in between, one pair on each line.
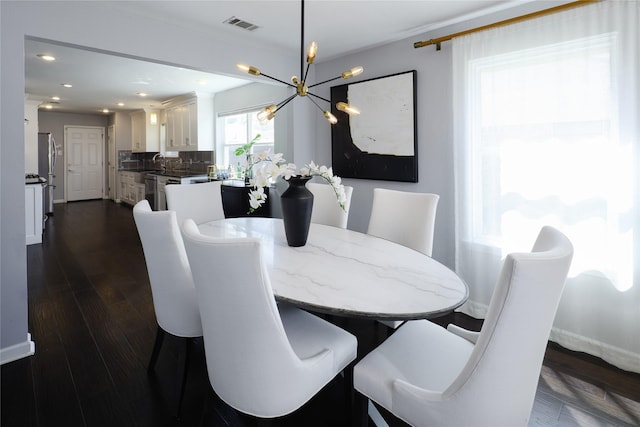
271, 167
263, 156
277, 158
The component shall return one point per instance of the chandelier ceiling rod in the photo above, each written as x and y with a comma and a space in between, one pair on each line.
302, 39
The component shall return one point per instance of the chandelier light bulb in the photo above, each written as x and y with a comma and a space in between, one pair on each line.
330, 117
248, 69
355, 71
349, 109
267, 113
311, 52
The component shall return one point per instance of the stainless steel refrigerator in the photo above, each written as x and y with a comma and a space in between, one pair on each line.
47, 151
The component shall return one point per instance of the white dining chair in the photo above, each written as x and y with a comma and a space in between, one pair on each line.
201, 202
430, 376
262, 360
172, 288
405, 218
326, 209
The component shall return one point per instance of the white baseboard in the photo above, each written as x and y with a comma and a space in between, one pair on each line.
619, 357
18, 351
616, 356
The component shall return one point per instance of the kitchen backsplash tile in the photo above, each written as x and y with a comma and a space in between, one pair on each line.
191, 161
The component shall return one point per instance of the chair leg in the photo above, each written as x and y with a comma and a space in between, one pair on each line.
157, 345
360, 410
349, 391
183, 369
205, 406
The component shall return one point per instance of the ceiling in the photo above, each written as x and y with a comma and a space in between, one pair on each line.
101, 80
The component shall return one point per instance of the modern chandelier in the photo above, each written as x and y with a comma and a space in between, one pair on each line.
300, 85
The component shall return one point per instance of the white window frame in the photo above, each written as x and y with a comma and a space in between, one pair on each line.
225, 155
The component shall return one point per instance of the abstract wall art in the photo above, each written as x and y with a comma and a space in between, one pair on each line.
379, 143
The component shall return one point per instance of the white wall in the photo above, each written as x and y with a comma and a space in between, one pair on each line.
100, 26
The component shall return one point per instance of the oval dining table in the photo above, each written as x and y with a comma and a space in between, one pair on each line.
348, 273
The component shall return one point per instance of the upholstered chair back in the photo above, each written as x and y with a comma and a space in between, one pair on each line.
251, 364
326, 209
404, 217
172, 288
200, 202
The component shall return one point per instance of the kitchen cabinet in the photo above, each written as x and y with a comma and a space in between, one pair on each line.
34, 213
145, 131
131, 187
161, 194
189, 123
139, 191
126, 187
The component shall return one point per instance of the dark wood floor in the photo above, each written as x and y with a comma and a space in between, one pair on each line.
91, 317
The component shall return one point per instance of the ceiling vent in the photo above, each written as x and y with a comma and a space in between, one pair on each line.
237, 22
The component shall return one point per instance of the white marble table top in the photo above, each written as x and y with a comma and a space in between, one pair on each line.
349, 273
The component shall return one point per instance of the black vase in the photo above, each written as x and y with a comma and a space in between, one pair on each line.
297, 203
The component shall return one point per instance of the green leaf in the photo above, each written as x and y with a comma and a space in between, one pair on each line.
246, 147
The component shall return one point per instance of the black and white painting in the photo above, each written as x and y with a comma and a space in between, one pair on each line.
379, 143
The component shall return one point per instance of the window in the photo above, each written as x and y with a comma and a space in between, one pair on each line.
238, 129
545, 151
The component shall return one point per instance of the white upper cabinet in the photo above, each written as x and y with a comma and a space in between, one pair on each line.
145, 131
189, 123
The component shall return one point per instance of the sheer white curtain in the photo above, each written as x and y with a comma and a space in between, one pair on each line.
547, 131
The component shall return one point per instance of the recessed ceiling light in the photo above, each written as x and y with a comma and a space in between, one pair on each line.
46, 57
141, 94
105, 110
55, 98
120, 104
67, 84
48, 106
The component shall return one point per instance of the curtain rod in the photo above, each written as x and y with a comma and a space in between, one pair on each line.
439, 40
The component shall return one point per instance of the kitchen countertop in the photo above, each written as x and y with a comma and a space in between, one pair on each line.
176, 174
31, 179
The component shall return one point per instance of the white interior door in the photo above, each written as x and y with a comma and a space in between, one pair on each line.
85, 167
111, 141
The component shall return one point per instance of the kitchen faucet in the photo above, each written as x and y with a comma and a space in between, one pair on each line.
163, 164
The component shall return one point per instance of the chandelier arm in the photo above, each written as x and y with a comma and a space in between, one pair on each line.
306, 72
285, 102
319, 97
278, 80
316, 104
326, 81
